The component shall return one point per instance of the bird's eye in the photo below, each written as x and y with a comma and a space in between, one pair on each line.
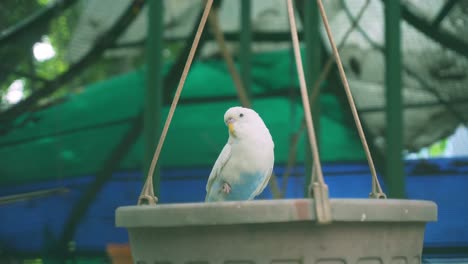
241, 115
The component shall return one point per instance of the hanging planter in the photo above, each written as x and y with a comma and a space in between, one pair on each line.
316, 230
278, 231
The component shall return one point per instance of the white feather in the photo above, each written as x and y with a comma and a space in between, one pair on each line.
249, 151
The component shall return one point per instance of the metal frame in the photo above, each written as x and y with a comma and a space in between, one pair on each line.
154, 86
394, 114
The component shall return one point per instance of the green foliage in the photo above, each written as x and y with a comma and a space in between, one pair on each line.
43, 2
59, 36
19, 57
21, 62
12, 11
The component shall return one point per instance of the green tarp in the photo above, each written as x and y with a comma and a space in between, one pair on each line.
75, 137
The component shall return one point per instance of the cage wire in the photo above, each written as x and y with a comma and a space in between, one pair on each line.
434, 77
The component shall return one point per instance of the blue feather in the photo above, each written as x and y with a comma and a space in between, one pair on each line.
240, 190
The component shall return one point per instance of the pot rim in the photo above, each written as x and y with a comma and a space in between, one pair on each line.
274, 211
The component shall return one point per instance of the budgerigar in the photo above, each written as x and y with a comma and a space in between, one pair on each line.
244, 166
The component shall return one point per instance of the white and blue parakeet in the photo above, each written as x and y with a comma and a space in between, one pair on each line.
244, 166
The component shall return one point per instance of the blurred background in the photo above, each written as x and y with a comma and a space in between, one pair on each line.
85, 86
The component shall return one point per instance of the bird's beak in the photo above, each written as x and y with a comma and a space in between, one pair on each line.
230, 124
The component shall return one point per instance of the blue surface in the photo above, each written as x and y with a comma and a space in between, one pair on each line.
28, 226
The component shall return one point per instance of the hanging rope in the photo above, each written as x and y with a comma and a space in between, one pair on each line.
320, 189
376, 189
147, 193
219, 36
238, 83
313, 96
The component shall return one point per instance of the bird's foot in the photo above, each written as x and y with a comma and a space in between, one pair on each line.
226, 188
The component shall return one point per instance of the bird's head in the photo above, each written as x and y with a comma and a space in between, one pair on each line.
243, 122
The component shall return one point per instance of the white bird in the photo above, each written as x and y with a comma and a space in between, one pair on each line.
244, 167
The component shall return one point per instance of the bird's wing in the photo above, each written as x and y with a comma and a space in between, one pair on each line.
266, 179
219, 164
